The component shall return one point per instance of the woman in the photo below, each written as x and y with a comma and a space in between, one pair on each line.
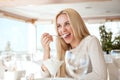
74, 36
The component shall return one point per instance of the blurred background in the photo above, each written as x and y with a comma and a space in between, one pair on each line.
22, 23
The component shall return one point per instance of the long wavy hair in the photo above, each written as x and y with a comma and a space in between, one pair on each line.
80, 31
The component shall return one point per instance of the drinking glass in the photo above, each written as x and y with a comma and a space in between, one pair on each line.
116, 57
76, 64
53, 66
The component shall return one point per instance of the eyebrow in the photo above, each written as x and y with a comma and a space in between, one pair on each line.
65, 22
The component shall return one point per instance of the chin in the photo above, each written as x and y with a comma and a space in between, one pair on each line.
68, 42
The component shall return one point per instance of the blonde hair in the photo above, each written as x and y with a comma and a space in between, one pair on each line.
80, 31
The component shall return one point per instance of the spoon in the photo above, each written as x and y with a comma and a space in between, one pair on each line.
62, 36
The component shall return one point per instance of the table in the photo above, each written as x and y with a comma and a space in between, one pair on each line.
55, 79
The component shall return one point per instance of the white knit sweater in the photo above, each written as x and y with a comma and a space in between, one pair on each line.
97, 69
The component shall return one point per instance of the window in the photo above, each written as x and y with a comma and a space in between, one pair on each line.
21, 35
49, 28
110, 26
15, 32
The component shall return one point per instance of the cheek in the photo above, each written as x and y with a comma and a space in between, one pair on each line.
70, 29
59, 32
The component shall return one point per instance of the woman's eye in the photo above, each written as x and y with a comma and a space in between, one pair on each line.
67, 23
58, 26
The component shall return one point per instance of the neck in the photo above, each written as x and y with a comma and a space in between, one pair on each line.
75, 44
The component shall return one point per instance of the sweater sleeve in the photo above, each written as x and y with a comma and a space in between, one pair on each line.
99, 69
44, 74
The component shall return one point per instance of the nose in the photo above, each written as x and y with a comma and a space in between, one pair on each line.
63, 29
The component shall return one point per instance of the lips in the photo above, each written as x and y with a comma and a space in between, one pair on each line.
65, 35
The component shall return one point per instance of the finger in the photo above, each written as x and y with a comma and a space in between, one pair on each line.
50, 37
47, 36
46, 41
44, 34
43, 37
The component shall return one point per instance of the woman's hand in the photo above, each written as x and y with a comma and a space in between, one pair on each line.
45, 41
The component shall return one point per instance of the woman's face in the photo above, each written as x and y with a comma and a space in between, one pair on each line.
64, 28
